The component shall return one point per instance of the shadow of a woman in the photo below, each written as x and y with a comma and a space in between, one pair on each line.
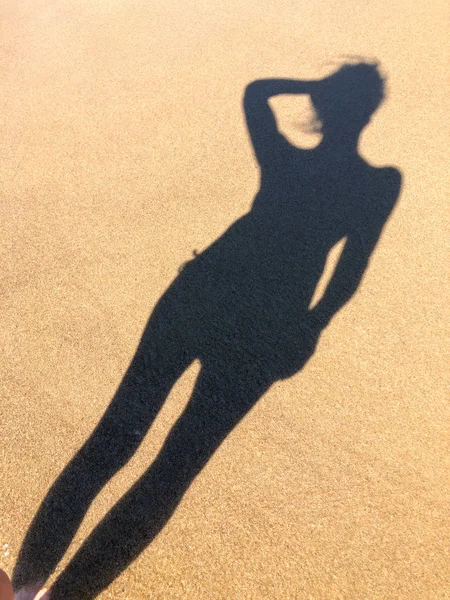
242, 307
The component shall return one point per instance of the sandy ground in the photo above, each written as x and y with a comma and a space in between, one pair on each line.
123, 149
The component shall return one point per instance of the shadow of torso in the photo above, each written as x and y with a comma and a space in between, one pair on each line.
246, 298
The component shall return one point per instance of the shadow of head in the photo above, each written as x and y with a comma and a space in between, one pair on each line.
346, 100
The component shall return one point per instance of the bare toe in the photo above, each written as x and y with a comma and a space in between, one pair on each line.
6, 591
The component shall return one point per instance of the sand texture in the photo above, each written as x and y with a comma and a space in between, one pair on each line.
124, 149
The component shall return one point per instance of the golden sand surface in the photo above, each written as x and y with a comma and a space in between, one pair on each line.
123, 149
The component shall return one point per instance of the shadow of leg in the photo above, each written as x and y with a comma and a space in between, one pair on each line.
216, 406
155, 368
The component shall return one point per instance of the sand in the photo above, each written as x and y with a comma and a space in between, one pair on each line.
123, 149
